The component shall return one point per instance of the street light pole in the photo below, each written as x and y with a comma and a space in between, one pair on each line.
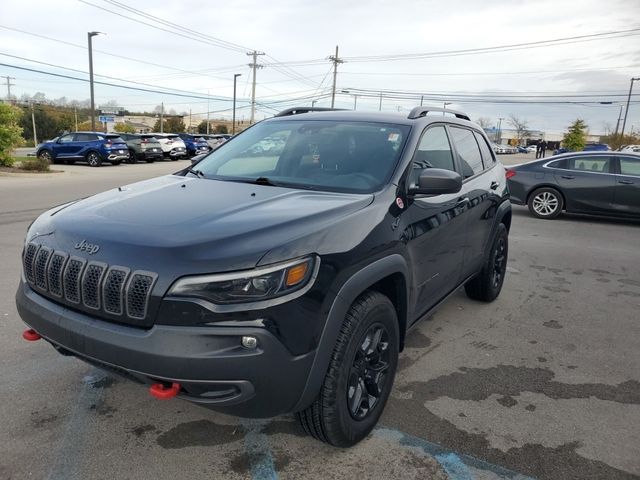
233, 121
619, 118
624, 124
499, 139
90, 35
445, 107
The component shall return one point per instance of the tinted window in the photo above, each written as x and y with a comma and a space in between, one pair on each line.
85, 137
468, 151
558, 164
66, 138
589, 164
487, 158
325, 155
630, 166
434, 151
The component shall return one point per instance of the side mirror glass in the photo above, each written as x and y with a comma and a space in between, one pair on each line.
437, 181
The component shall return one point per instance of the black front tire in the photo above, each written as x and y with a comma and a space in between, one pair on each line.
486, 286
331, 418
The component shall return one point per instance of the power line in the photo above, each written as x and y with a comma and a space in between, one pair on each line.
115, 55
86, 73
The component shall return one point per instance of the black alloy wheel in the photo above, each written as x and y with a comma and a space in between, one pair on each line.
368, 372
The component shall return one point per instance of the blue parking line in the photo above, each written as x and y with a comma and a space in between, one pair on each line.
256, 445
455, 464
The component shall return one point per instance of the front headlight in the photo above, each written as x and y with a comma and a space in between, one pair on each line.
256, 285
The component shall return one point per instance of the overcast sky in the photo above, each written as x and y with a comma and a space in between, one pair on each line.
307, 32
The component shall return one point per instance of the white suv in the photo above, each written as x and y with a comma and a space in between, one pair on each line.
172, 145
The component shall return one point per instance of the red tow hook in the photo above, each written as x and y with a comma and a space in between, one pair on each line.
162, 392
30, 335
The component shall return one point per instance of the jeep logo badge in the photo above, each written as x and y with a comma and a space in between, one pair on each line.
90, 248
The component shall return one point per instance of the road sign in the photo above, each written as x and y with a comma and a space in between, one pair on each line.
110, 110
106, 118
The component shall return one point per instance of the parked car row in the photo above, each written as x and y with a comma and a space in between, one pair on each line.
503, 149
115, 148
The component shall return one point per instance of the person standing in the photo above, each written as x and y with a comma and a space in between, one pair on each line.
538, 149
543, 149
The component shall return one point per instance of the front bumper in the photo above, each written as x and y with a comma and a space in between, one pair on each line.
208, 361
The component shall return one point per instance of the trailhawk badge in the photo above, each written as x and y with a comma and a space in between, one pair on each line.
90, 248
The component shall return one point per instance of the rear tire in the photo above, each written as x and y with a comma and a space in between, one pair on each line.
486, 286
132, 157
545, 203
94, 159
360, 375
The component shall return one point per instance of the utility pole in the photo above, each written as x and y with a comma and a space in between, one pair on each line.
233, 121
624, 124
254, 65
161, 117
499, 139
336, 60
445, 107
9, 85
33, 121
421, 99
207, 112
190, 128
90, 35
618, 122
380, 106
75, 113
313, 103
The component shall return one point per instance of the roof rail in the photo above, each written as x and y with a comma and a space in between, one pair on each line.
299, 110
418, 112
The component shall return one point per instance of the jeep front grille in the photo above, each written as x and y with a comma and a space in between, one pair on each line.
113, 292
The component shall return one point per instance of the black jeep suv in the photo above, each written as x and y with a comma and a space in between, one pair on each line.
280, 282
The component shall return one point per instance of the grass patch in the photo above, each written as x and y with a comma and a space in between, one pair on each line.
34, 164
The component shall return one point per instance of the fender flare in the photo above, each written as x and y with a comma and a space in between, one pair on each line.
352, 288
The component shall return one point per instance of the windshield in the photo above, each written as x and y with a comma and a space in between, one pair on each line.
318, 154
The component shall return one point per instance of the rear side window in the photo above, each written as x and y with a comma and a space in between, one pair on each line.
629, 166
487, 158
468, 151
84, 137
590, 164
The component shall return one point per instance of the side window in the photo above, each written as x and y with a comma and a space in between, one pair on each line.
84, 137
468, 151
487, 157
630, 166
558, 164
590, 164
434, 150
66, 138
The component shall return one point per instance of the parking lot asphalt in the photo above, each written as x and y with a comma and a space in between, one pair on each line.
542, 383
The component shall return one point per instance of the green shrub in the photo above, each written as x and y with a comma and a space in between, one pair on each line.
35, 164
10, 132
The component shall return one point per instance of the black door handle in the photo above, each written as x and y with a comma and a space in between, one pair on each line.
494, 185
625, 182
568, 177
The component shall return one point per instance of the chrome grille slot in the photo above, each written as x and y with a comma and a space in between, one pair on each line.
71, 279
113, 290
40, 267
91, 280
138, 291
29, 257
54, 272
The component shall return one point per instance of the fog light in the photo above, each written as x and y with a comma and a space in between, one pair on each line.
249, 342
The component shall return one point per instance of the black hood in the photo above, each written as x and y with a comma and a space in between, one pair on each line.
179, 225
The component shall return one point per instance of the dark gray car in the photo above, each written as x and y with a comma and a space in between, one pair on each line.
600, 183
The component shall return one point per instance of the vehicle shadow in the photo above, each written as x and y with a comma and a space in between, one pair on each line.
520, 211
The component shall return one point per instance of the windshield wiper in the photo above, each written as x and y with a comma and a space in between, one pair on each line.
196, 172
264, 181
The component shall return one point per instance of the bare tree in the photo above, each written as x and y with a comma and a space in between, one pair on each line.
484, 122
520, 125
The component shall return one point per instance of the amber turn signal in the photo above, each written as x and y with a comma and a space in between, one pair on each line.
296, 274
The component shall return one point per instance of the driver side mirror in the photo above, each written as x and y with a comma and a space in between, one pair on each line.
437, 181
